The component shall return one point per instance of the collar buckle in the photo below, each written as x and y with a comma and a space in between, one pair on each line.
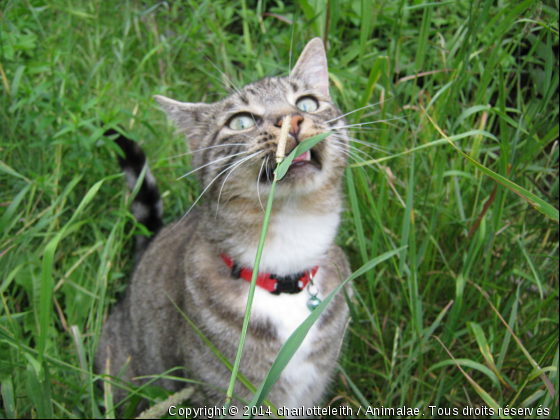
288, 284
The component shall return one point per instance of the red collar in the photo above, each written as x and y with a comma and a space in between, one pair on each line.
271, 282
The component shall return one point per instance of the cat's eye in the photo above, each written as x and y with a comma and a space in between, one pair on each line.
307, 104
241, 122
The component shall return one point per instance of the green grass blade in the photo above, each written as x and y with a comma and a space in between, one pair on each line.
379, 67
536, 278
480, 337
479, 390
47, 268
8, 397
361, 398
246, 31
532, 361
39, 387
356, 214
281, 170
250, 297
507, 335
469, 364
8, 170
423, 39
539, 204
9, 214
437, 322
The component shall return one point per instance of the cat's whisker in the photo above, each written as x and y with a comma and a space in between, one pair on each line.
255, 121
202, 193
357, 159
217, 78
354, 157
366, 130
267, 171
371, 114
290, 54
265, 161
206, 148
364, 143
248, 136
233, 167
354, 148
225, 75
359, 109
351, 154
393, 125
366, 123
210, 163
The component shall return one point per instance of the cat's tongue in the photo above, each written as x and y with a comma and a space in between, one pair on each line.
303, 157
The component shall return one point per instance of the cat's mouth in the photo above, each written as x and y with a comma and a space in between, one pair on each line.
307, 160
302, 159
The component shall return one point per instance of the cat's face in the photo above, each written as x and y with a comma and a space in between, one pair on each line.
237, 137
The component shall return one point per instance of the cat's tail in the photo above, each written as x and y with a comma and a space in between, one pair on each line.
147, 206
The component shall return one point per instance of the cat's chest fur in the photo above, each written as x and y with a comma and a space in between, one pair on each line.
286, 313
295, 241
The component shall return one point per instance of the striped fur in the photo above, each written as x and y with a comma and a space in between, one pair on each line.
147, 207
147, 335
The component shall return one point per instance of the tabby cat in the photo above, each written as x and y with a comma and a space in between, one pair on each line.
202, 262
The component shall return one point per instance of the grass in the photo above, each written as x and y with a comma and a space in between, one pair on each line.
465, 316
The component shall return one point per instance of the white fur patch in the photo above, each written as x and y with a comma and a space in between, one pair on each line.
295, 241
140, 211
149, 179
287, 312
132, 178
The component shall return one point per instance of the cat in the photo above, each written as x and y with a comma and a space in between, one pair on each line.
199, 262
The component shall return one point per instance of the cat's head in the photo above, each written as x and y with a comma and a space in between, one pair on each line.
234, 141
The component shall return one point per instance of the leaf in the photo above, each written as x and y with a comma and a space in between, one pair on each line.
363, 401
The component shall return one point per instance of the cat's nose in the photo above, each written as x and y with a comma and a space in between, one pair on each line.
295, 122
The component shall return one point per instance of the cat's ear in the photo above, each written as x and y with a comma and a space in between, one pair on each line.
312, 66
186, 116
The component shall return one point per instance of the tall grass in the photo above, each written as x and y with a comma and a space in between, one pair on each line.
465, 315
